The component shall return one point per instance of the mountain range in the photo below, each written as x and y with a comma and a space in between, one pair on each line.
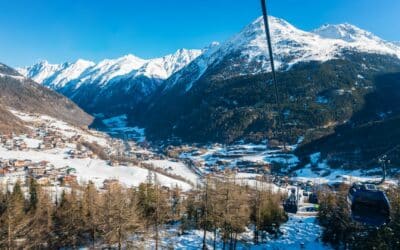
112, 85
224, 92
118, 85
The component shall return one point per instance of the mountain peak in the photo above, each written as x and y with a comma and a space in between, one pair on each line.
345, 31
83, 62
247, 52
184, 52
163, 67
40, 71
277, 25
130, 57
43, 62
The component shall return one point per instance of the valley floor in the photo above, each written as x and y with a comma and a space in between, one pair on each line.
55, 154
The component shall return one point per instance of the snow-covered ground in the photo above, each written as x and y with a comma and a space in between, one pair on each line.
300, 232
92, 169
323, 173
177, 168
117, 126
96, 170
239, 155
62, 127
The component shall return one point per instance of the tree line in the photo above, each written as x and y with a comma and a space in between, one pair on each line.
226, 206
36, 218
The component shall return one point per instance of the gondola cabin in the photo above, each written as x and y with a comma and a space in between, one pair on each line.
369, 205
291, 204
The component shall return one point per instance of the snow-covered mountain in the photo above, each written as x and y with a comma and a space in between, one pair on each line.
222, 95
57, 76
108, 81
246, 52
123, 82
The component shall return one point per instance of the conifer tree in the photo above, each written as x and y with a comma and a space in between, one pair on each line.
33, 194
13, 218
91, 211
119, 215
68, 220
40, 221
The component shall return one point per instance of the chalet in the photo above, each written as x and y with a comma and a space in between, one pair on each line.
21, 163
70, 180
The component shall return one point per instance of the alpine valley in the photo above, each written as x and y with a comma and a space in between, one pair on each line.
337, 84
201, 148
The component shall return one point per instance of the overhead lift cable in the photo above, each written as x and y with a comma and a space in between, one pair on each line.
274, 78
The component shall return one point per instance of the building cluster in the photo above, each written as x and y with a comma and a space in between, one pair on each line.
45, 136
41, 138
45, 173
10, 142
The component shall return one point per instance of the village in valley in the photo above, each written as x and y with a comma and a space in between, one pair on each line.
59, 154
61, 157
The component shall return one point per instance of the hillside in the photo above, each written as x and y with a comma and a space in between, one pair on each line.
333, 77
372, 130
20, 93
316, 97
9, 123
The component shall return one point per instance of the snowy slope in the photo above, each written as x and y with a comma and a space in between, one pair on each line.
40, 71
67, 73
95, 170
164, 67
246, 52
109, 69
81, 72
358, 39
112, 86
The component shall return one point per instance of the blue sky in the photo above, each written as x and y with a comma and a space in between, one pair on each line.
65, 30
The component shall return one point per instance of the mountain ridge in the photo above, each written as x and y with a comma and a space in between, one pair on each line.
107, 69
23, 94
112, 85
